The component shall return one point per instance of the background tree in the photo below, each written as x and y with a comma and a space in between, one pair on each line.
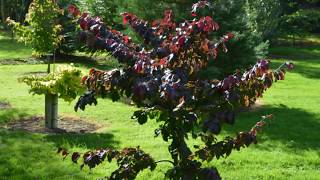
16, 9
263, 17
300, 17
106, 9
2, 6
41, 31
43, 34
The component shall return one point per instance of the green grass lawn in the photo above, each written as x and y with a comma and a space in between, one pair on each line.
10, 49
288, 149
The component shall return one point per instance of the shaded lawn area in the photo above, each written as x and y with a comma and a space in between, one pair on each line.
30, 156
10, 49
288, 149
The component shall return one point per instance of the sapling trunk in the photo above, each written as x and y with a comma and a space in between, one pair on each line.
49, 67
51, 104
51, 111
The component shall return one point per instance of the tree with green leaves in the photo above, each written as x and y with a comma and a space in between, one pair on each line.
300, 17
106, 9
16, 9
263, 17
41, 30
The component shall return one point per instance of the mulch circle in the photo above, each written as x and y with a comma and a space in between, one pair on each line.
66, 124
36, 73
5, 105
19, 61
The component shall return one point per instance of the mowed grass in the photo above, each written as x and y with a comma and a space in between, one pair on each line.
10, 49
288, 149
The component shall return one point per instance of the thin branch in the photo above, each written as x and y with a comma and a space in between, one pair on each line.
168, 161
281, 66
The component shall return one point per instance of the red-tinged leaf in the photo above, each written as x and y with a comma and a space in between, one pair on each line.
168, 15
155, 23
76, 13
228, 36
71, 8
126, 39
204, 46
200, 4
91, 71
163, 61
124, 21
215, 26
64, 154
84, 79
215, 52
181, 40
289, 65
174, 48
138, 68
225, 49
85, 15
124, 18
84, 25
75, 157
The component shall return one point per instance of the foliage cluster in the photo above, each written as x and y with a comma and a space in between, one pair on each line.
17, 9
301, 21
300, 17
263, 17
42, 32
65, 82
164, 81
248, 20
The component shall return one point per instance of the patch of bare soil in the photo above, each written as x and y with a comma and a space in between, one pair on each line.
256, 106
5, 105
66, 124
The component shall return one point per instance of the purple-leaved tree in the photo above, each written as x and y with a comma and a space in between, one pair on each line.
162, 79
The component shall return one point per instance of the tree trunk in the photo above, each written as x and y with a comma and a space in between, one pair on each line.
49, 67
3, 18
51, 111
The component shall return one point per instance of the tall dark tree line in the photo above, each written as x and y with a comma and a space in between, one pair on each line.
16, 9
300, 17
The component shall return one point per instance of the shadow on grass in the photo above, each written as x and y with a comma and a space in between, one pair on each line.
27, 156
87, 140
102, 63
295, 52
304, 68
295, 128
11, 114
308, 71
